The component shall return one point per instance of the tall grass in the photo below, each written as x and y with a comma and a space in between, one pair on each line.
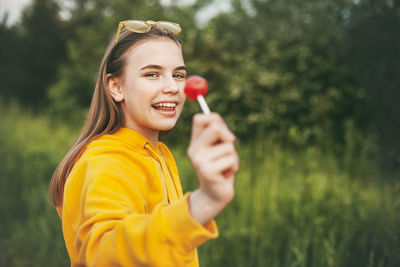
301, 209
292, 208
305, 208
30, 149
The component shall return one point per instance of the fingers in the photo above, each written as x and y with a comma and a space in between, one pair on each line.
214, 134
212, 153
220, 150
205, 155
228, 163
214, 157
208, 132
218, 127
225, 166
219, 159
201, 121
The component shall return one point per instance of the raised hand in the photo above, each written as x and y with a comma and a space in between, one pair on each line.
215, 161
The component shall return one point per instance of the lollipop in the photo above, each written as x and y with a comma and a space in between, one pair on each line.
196, 88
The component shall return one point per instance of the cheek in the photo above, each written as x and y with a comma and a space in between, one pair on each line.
181, 106
182, 97
182, 92
135, 92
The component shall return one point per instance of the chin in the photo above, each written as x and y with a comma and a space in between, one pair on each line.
166, 126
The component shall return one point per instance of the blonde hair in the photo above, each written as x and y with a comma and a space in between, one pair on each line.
105, 115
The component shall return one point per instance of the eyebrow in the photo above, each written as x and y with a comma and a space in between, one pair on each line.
152, 66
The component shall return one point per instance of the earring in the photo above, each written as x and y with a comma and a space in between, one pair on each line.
118, 98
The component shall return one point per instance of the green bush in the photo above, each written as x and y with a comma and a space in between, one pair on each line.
305, 208
30, 149
301, 207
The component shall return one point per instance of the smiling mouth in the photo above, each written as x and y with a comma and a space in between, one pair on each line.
165, 106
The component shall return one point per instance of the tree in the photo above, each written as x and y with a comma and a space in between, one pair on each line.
31, 53
44, 37
10, 60
373, 54
277, 68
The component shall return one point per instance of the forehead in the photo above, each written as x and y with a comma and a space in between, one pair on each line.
160, 51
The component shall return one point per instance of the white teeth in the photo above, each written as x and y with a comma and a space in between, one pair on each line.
170, 105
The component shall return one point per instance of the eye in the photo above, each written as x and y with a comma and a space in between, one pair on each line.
152, 75
179, 76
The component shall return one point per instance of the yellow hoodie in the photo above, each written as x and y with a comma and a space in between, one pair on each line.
123, 206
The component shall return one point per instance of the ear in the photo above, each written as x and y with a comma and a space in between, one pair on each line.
114, 87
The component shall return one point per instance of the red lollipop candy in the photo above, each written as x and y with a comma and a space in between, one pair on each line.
195, 85
196, 88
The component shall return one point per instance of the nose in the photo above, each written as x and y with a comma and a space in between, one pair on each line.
170, 85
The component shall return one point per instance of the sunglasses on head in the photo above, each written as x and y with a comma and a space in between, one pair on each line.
140, 26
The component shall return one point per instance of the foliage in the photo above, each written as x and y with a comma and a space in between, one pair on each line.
284, 71
292, 208
373, 44
30, 52
30, 149
273, 66
310, 88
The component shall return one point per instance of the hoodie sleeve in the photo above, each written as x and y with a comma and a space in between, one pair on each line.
114, 229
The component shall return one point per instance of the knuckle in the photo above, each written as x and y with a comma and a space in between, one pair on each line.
229, 148
237, 159
230, 194
193, 157
232, 147
216, 115
233, 159
204, 171
214, 127
233, 136
236, 166
198, 118
189, 151
196, 160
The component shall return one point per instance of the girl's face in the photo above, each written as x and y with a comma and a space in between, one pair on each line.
151, 87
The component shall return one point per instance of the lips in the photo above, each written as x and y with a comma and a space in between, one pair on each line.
165, 106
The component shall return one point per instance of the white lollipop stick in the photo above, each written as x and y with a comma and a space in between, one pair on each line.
203, 104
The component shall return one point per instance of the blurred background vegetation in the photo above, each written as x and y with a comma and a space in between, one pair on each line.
311, 88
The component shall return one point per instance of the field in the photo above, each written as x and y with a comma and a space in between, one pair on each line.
293, 207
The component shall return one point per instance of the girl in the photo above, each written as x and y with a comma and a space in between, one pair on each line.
117, 190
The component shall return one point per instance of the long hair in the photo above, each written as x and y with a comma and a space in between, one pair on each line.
105, 115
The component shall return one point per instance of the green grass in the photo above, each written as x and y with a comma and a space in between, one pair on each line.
30, 149
303, 209
299, 210
292, 208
